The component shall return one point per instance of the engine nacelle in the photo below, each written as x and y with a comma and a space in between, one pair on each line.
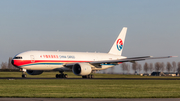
82, 69
34, 72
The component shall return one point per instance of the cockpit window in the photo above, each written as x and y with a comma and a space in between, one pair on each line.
18, 57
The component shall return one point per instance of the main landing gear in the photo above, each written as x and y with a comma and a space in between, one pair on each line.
90, 76
62, 75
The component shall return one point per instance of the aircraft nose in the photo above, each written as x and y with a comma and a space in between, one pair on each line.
12, 62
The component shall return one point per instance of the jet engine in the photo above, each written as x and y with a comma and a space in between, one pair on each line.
82, 69
34, 72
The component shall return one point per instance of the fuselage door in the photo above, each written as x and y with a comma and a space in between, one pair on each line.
32, 58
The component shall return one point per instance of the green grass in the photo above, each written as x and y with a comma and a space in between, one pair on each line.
87, 88
71, 75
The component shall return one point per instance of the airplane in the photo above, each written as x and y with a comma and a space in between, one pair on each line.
80, 63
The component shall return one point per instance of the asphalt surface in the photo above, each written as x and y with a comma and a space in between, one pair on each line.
89, 99
11, 78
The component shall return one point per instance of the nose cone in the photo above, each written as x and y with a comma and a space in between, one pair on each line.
12, 62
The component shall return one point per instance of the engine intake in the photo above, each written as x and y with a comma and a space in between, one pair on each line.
34, 72
82, 69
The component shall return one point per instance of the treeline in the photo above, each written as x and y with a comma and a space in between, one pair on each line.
150, 67
7, 65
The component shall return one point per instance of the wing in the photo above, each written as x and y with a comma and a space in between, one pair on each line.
133, 59
129, 59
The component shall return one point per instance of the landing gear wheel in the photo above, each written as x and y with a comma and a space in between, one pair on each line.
57, 75
90, 76
61, 76
24, 76
65, 76
84, 76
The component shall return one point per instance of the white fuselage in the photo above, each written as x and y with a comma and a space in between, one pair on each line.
55, 60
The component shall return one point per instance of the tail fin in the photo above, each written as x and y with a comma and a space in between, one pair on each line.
119, 43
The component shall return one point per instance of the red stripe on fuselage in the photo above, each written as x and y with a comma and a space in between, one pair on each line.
119, 62
26, 62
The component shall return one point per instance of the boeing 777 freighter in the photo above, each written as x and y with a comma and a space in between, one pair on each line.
81, 63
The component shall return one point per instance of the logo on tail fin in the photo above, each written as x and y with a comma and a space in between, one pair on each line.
119, 44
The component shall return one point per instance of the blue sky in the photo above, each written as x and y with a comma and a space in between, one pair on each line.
81, 25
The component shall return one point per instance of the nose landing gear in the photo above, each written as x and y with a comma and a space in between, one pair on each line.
23, 73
